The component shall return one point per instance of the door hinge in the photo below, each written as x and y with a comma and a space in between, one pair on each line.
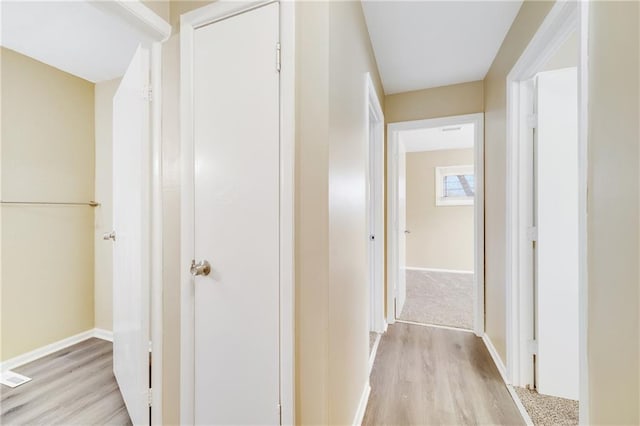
147, 94
532, 121
150, 397
280, 412
278, 57
533, 347
532, 233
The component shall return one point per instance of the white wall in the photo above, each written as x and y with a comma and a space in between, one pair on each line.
103, 250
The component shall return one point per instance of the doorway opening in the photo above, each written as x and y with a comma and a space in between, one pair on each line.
546, 232
82, 205
436, 222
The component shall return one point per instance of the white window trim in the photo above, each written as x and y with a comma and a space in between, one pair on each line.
441, 173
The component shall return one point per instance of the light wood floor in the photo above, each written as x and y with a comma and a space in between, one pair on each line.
432, 376
74, 386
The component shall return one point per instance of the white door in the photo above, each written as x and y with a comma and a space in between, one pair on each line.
371, 191
130, 253
401, 295
236, 195
556, 177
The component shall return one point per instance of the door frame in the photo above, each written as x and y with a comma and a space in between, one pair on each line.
393, 140
376, 270
189, 22
564, 19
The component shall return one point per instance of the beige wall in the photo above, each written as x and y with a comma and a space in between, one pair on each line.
312, 213
531, 15
614, 136
350, 57
103, 250
441, 236
457, 99
160, 7
47, 252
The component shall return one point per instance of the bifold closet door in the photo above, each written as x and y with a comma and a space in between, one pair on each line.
557, 245
237, 201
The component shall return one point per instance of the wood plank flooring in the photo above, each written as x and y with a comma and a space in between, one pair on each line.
74, 386
432, 376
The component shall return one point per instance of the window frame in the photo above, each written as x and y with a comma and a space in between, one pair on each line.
444, 171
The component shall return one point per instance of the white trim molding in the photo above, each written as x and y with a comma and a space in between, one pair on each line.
189, 22
374, 351
495, 357
565, 18
138, 15
393, 141
362, 405
101, 333
43, 351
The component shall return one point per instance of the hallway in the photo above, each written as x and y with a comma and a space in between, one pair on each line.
427, 375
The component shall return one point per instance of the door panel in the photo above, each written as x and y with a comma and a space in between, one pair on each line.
130, 255
402, 229
556, 178
236, 151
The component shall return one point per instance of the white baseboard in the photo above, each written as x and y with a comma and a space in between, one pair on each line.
101, 333
444, 327
374, 350
452, 271
523, 411
503, 373
362, 406
54, 347
496, 358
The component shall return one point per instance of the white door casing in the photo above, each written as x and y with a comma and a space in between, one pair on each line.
395, 214
236, 219
564, 19
557, 228
131, 195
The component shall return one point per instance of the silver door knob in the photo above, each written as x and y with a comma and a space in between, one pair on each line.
406, 231
109, 236
200, 268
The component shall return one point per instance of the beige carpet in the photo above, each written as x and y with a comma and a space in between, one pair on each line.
441, 298
547, 410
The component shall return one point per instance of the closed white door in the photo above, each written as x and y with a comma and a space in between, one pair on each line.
556, 178
130, 253
372, 220
236, 195
402, 229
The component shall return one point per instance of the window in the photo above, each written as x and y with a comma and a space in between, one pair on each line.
455, 186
